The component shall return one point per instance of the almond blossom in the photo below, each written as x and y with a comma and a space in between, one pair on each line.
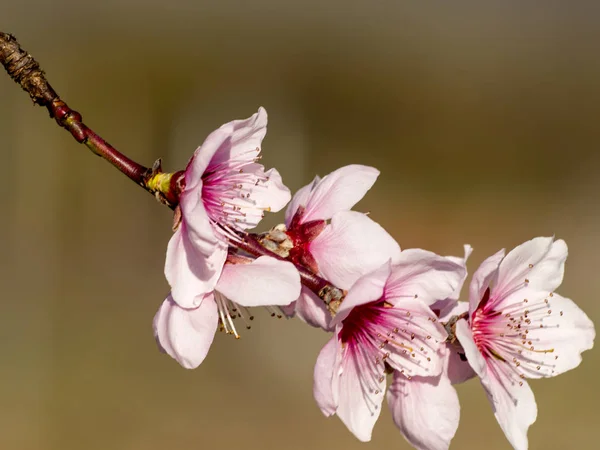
344, 249
518, 328
225, 190
384, 324
187, 334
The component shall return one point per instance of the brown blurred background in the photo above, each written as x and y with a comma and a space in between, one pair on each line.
482, 117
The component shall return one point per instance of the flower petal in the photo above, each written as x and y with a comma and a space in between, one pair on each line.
265, 281
512, 401
485, 274
425, 409
312, 310
567, 332
421, 274
339, 191
368, 288
300, 199
351, 246
196, 224
189, 273
357, 406
541, 261
327, 365
457, 367
186, 334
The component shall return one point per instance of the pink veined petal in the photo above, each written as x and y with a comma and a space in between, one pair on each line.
424, 275
196, 224
463, 263
204, 154
277, 194
485, 274
425, 409
245, 136
326, 368
186, 334
339, 191
312, 310
567, 332
474, 356
540, 261
368, 288
300, 199
351, 246
190, 275
358, 406
265, 281
512, 402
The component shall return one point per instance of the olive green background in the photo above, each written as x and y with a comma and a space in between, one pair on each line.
482, 116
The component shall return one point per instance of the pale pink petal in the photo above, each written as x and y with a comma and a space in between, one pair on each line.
339, 191
463, 263
276, 196
351, 246
474, 357
485, 274
265, 281
312, 310
327, 365
195, 223
513, 404
300, 199
511, 398
358, 406
245, 139
425, 409
190, 274
186, 334
424, 275
540, 261
566, 333
204, 154
368, 288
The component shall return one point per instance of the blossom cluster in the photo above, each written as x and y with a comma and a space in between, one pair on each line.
395, 315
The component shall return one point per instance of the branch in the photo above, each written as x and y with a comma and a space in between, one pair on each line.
26, 72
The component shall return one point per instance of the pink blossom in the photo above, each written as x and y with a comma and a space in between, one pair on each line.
519, 328
344, 249
187, 334
384, 324
225, 189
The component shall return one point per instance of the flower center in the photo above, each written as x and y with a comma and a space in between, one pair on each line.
513, 333
229, 187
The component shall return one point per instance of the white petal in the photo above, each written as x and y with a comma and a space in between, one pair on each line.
339, 191
540, 261
327, 365
513, 405
189, 273
474, 356
186, 334
424, 275
312, 310
567, 332
425, 409
300, 199
358, 407
351, 246
265, 281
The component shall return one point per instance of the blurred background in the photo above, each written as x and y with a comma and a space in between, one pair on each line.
482, 117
